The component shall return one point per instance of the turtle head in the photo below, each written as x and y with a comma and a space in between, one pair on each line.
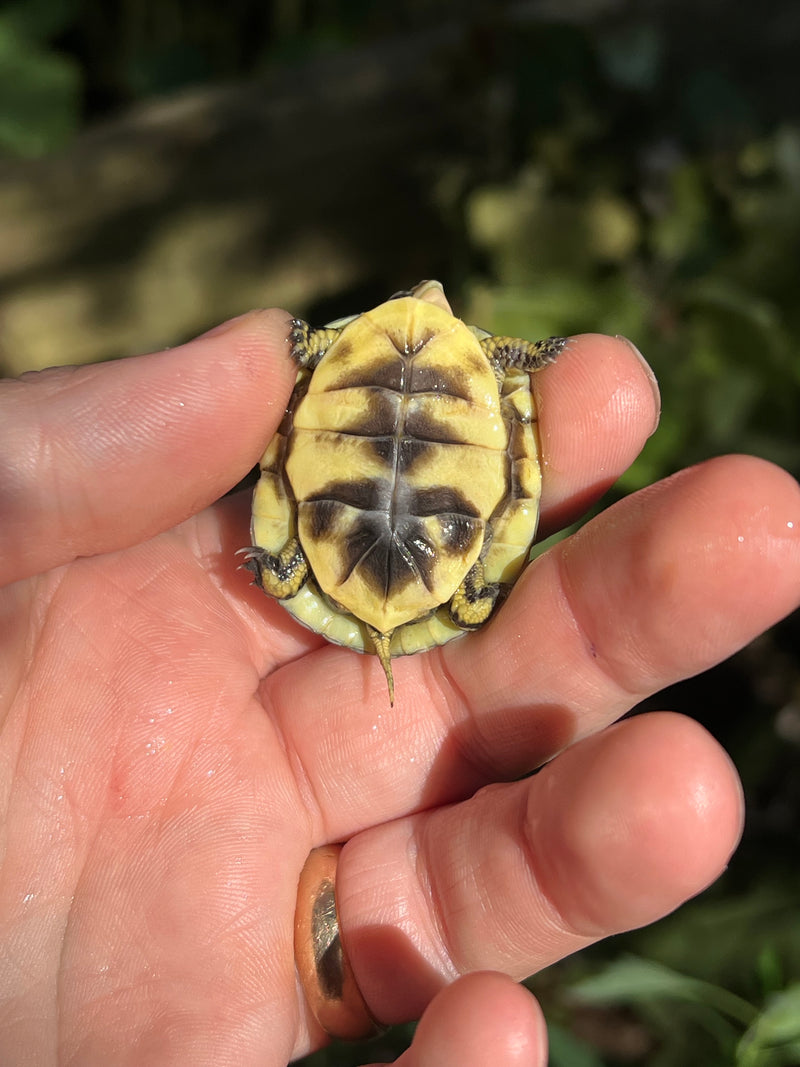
431, 291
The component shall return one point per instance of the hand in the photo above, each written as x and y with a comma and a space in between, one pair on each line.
173, 745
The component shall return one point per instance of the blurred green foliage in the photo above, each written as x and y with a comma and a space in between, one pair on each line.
39, 86
645, 180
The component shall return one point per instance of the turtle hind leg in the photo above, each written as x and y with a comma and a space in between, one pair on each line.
381, 643
281, 575
474, 600
308, 345
525, 355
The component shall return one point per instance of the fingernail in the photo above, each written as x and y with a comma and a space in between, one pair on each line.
651, 378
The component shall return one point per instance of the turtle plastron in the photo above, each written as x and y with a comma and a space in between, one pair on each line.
398, 501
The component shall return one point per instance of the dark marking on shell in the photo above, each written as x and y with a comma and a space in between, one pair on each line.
385, 448
366, 494
411, 452
379, 416
517, 441
287, 421
516, 491
440, 500
383, 374
324, 514
416, 347
421, 425
444, 381
343, 349
459, 533
389, 560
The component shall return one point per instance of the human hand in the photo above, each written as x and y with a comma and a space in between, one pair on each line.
173, 745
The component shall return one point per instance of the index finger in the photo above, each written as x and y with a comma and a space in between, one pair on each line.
97, 458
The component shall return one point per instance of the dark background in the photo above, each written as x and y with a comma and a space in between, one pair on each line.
596, 165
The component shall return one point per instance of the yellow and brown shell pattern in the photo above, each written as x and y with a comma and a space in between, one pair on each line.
398, 501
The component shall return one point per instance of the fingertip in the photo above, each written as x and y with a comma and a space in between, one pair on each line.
634, 821
483, 1017
255, 342
683, 573
596, 407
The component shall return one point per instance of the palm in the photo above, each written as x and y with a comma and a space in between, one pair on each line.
156, 826
174, 745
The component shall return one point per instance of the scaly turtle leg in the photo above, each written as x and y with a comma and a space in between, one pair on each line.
310, 345
525, 355
473, 601
281, 575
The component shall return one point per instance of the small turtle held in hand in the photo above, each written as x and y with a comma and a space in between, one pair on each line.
398, 502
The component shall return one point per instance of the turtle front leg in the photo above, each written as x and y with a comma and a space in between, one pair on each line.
282, 575
525, 355
308, 345
474, 600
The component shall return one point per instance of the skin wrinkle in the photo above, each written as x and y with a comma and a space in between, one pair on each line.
547, 877
452, 948
312, 805
59, 975
423, 865
548, 915
536, 868
593, 646
464, 742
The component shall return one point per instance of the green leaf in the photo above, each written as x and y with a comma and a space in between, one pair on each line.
630, 980
774, 1036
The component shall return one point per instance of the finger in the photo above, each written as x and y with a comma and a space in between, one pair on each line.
481, 1018
100, 457
661, 586
596, 406
614, 833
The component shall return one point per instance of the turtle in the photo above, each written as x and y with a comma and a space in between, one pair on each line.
398, 501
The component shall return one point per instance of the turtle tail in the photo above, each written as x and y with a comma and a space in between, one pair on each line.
381, 643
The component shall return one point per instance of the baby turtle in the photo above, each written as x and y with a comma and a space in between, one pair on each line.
399, 499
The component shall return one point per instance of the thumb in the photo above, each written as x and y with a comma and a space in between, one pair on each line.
97, 458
